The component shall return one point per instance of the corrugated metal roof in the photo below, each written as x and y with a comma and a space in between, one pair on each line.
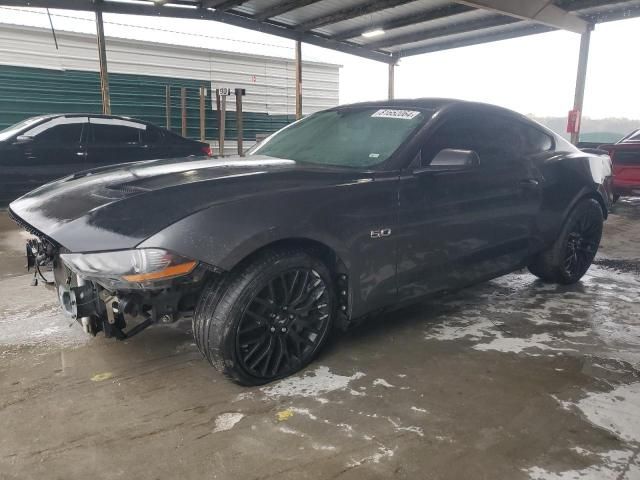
442, 26
456, 37
369, 21
410, 26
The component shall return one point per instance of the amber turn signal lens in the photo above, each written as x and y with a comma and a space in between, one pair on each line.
169, 272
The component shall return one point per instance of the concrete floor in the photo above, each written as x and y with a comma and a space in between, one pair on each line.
512, 379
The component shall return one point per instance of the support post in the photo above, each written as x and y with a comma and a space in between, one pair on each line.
298, 79
183, 111
222, 125
167, 105
203, 132
218, 117
102, 56
581, 79
239, 119
392, 82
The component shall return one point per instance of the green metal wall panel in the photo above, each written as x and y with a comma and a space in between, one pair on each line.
25, 92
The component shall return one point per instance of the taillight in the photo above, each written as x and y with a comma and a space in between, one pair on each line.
206, 149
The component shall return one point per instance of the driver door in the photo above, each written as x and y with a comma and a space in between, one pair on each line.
460, 226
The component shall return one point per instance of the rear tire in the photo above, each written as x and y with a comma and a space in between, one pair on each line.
268, 319
571, 255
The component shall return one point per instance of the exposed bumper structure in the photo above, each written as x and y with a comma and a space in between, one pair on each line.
98, 307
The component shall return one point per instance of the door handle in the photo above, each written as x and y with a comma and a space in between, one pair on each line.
529, 182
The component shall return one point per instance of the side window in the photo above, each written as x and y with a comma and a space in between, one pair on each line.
106, 131
59, 131
68, 134
456, 133
500, 142
497, 140
151, 136
535, 141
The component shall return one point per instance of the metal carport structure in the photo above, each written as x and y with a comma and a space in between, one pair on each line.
381, 30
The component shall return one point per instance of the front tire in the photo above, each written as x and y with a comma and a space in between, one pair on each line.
267, 320
571, 255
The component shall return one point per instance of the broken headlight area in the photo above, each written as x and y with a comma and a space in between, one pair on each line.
106, 291
147, 268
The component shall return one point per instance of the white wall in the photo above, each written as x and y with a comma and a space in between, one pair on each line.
269, 81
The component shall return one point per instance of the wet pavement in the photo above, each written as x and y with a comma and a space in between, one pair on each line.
511, 379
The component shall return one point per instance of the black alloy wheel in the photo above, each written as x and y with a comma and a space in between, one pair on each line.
268, 318
283, 324
582, 245
571, 255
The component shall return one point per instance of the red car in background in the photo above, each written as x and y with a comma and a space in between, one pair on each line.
625, 156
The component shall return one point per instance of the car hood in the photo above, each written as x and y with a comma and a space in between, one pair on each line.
119, 207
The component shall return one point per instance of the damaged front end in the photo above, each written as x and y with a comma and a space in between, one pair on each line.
107, 291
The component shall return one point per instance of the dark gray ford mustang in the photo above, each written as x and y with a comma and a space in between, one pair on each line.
346, 212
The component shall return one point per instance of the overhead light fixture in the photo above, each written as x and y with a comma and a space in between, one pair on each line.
373, 33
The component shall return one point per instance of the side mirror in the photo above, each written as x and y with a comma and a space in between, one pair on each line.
23, 139
450, 159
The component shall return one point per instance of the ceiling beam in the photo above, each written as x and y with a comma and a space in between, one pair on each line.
348, 13
475, 40
631, 11
150, 10
281, 8
433, 14
603, 10
572, 5
541, 11
444, 31
222, 5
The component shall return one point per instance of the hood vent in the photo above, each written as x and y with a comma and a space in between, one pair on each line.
124, 188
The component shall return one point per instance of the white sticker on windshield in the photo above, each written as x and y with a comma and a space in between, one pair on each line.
400, 114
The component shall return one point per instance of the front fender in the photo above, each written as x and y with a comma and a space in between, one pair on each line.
339, 216
224, 235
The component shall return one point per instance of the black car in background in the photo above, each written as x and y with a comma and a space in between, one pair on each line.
43, 148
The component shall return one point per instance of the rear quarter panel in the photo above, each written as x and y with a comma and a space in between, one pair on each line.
569, 177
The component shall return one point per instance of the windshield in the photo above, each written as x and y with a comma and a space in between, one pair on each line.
354, 137
632, 137
18, 127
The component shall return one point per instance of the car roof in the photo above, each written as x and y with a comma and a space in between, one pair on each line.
423, 103
49, 116
437, 104
95, 115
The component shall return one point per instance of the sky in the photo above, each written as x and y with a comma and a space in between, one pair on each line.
534, 75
